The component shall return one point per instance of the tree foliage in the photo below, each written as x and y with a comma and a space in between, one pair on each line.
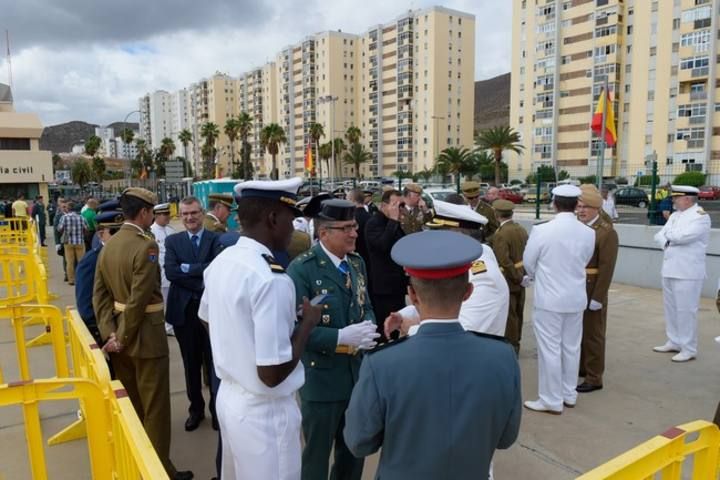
497, 140
356, 155
81, 172
693, 179
98, 168
271, 137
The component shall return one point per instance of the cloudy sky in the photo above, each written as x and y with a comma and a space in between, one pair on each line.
91, 60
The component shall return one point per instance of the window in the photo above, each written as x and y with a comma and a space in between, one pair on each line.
692, 110
14, 144
698, 39
653, 51
601, 52
698, 13
606, 31
694, 62
547, 27
546, 9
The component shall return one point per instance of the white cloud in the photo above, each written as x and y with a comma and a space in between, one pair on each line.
100, 81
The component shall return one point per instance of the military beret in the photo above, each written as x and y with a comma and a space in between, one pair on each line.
222, 198
413, 187
470, 189
162, 209
502, 205
681, 190
143, 194
590, 195
453, 254
337, 210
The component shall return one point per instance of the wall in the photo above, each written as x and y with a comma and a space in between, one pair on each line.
640, 259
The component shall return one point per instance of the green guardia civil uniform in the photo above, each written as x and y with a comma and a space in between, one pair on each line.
331, 370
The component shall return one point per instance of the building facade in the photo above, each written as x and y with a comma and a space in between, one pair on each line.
24, 168
659, 59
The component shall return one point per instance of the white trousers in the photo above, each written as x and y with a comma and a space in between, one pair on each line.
260, 435
558, 342
682, 299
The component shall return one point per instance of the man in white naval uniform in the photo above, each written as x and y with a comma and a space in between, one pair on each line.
485, 311
161, 229
249, 305
555, 258
684, 239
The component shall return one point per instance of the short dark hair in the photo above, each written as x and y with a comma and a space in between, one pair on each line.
132, 205
386, 196
565, 204
357, 196
456, 199
446, 292
189, 200
251, 210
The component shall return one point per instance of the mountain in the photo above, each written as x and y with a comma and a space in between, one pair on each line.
60, 138
492, 102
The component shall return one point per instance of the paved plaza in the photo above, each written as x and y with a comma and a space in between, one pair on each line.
645, 393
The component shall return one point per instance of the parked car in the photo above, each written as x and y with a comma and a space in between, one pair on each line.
511, 195
439, 193
709, 193
631, 196
531, 195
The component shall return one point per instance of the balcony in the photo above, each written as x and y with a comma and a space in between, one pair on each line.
700, 72
697, 120
698, 95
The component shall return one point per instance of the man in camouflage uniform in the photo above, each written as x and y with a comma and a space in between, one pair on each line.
415, 214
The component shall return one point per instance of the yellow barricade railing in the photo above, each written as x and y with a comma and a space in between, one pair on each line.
665, 454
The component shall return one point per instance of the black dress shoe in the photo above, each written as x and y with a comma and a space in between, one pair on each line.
588, 387
193, 422
186, 475
215, 424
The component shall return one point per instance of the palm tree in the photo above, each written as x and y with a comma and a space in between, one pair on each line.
317, 131
98, 168
127, 136
340, 147
92, 145
324, 153
499, 139
210, 132
244, 127
81, 172
232, 130
425, 174
143, 157
352, 135
167, 148
270, 138
355, 156
185, 137
458, 161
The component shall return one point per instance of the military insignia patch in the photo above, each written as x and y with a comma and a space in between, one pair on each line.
326, 319
274, 266
478, 266
152, 255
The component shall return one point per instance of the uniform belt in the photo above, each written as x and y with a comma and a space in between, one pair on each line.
592, 271
516, 265
346, 350
152, 308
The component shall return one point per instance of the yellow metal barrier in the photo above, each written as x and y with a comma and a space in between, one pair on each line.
665, 454
29, 394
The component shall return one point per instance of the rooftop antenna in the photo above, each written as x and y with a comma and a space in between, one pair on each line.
9, 60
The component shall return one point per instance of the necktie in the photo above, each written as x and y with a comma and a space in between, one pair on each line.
345, 271
196, 244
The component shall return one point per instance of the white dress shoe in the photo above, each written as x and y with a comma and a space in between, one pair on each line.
683, 357
668, 347
538, 406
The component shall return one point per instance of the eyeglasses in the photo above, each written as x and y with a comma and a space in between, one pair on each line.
191, 213
345, 229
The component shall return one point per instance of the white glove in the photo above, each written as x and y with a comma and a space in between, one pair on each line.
361, 335
526, 281
58, 248
595, 306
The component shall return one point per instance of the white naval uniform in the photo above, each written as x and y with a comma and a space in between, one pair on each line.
555, 257
251, 314
160, 234
685, 239
487, 308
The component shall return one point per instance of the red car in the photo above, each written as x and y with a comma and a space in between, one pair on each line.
709, 193
507, 194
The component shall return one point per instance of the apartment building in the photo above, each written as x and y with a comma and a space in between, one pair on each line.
659, 59
256, 95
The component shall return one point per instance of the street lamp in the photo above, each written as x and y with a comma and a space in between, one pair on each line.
126, 149
331, 100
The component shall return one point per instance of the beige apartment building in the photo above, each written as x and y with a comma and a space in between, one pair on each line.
24, 168
660, 61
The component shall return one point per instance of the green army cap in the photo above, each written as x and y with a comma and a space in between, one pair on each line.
143, 194
504, 206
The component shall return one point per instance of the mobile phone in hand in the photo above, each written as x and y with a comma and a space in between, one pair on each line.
316, 300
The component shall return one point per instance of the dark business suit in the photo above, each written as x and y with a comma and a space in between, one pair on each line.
361, 217
388, 282
186, 289
437, 416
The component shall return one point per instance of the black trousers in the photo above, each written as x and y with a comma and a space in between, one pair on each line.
194, 343
384, 305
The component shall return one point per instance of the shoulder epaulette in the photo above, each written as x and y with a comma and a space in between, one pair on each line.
146, 235
274, 265
305, 256
700, 211
354, 254
478, 266
541, 223
490, 336
389, 343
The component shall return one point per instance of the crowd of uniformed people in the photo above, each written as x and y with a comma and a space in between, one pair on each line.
318, 325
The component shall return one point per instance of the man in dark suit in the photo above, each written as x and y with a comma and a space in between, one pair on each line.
387, 279
361, 217
187, 254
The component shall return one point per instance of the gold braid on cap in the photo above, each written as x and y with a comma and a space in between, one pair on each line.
288, 200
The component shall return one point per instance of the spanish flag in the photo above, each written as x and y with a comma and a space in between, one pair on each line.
308, 158
609, 131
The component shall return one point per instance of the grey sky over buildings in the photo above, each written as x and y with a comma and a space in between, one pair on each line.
91, 60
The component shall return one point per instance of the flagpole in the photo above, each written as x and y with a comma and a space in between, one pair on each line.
601, 155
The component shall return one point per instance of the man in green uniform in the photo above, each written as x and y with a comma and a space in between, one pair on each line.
331, 358
220, 206
128, 306
509, 245
415, 214
471, 192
